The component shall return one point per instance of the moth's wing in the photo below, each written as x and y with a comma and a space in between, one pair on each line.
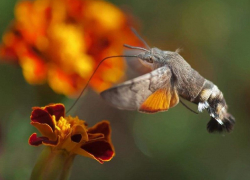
135, 64
152, 92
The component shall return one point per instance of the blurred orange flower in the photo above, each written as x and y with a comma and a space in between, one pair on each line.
71, 134
62, 41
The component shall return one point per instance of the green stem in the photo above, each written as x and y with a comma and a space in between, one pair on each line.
40, 164
52, 163
67, 168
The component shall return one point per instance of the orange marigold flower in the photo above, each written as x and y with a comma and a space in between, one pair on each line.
62, 41
71, 134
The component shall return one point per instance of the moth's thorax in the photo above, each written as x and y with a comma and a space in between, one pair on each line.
168, 58
189, 81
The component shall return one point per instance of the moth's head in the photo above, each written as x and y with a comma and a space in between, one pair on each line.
151, 57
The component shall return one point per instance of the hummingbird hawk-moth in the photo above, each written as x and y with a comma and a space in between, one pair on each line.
171, 77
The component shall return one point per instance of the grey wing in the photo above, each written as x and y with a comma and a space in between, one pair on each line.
135, 64
131, 94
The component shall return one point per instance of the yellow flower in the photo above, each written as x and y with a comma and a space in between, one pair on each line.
71, 133
61, 42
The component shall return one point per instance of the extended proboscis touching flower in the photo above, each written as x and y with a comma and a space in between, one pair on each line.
71, 134
62, 42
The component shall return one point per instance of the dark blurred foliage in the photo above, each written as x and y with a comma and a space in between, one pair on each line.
215, 39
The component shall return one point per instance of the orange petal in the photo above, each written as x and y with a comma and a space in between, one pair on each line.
80, 151
52, 143
72, 142
79, 129
76, 138
62, 82
34, 68
45, 130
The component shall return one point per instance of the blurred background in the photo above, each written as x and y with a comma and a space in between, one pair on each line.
215, 40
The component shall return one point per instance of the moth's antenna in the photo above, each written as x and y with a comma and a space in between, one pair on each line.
188, 107
93, 75
139, 37
135, 47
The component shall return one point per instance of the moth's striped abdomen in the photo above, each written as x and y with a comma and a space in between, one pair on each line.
211, 99
195, 88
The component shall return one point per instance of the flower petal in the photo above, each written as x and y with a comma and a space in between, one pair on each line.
41, 116
101, 127
56, 109
96, 136
45, 130
76, 138
79, 129
52, 143
101, 150
72, 142
36, 141
34, 68
78, 150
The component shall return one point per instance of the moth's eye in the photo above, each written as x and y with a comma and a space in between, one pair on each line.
150, 60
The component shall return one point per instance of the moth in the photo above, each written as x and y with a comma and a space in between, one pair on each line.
171, 77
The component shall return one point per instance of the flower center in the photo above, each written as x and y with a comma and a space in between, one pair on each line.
63, 127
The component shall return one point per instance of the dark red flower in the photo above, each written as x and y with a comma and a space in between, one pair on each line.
60, 132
